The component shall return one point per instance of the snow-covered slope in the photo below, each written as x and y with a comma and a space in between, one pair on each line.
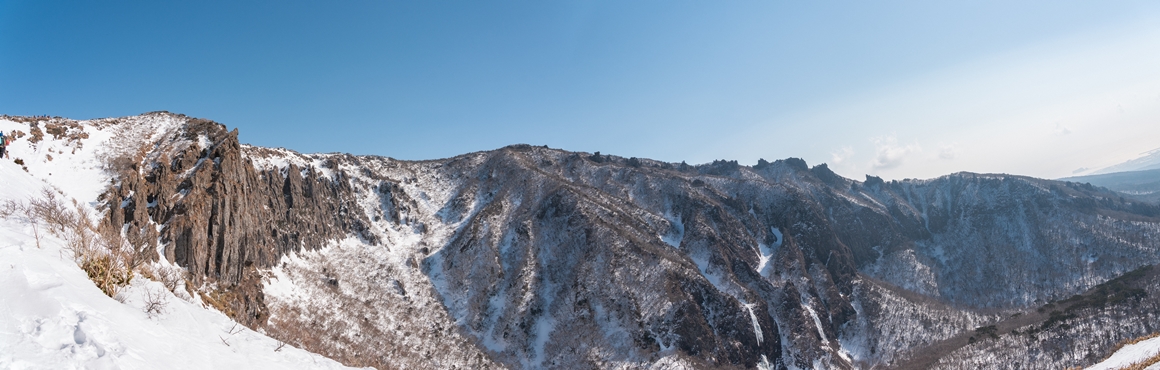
1147, 161
53, 317
1141, 353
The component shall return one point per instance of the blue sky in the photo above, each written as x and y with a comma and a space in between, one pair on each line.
897, 89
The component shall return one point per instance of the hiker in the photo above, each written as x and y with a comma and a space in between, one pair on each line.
3, 145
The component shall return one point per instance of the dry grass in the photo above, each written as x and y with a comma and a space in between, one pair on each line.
1125, 342
172, 278
1143, 364
20, 162
1137, 340
103, 253
70, 131
36, 135
106, 273
219, 300
1139, 365
121, 158
28, 119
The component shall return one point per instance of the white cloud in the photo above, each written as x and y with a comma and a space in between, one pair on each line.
1061, 130
842, 155
948, 151
888, 154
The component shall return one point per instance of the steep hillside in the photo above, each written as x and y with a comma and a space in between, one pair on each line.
530, 257
1069, 333
52, 316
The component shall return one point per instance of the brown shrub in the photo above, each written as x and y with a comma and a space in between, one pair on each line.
219, 300
1143, 363
170, 277
36, 135
155, 303
107, 273
71, 131
105, 256
1128, 341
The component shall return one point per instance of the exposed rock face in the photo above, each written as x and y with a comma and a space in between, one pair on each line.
222, 218
528, 257
561, 255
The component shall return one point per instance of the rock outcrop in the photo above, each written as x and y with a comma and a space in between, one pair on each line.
223, 219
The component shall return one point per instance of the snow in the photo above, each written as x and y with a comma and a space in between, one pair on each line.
1131, 354
319, 164
677, 233
543, 331
765, 252
727, 287
764, 364
490, 340
281, 161
53, 317
74, 167
1146, 161
702, 262
756, 325
204, 142
817, 322
279, 284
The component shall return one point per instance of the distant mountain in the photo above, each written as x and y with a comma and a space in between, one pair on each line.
1142, 185
1148, 161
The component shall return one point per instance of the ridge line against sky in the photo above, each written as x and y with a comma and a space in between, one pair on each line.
898, 89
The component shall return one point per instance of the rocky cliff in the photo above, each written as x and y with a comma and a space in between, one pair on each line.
221, 218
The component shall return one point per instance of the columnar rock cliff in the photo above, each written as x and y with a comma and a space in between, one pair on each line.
223, 219
530, 257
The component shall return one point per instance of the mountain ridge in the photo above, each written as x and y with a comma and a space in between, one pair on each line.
649, 264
